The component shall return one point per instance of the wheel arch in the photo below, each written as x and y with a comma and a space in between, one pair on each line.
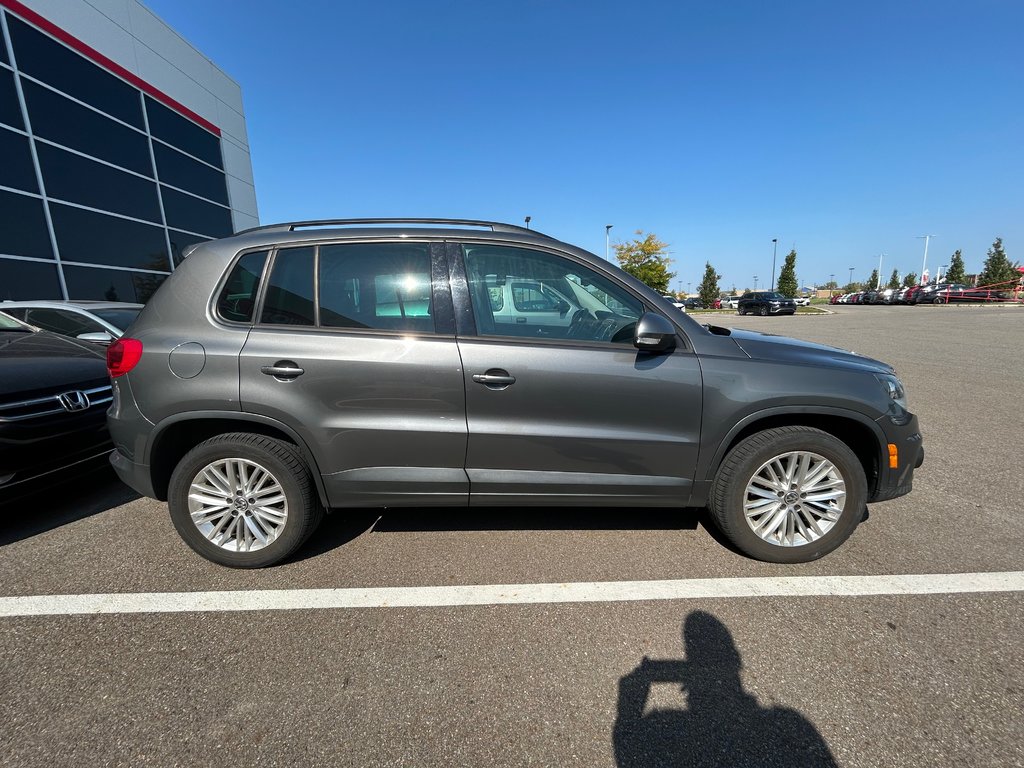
862, 435
176, 435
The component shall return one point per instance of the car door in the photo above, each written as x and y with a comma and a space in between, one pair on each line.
354, 347
571, 415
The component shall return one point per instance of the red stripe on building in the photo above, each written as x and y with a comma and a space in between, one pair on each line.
108, 64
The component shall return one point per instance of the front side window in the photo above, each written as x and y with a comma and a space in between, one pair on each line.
544, 296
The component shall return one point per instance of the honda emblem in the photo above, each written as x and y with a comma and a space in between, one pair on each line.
75, 400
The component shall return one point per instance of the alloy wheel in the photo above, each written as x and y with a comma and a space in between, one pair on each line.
237, 504
794, 498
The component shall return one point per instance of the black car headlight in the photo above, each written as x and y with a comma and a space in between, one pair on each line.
894, 387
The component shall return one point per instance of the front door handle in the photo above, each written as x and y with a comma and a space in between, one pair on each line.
283, 370
495, 378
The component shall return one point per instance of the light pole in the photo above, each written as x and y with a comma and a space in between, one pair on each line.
527, 222
607, 229
851, 276
924, 264
775, 248
755, 282
832, 281
878, 282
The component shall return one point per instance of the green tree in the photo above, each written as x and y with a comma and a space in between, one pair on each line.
873, 280
646, 259
709, 290
910, 280
955, 273
997, 268
894, 279
787, 284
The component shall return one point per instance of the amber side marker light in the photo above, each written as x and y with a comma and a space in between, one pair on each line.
894, 456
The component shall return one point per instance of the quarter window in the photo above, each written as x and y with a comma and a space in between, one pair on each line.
238, 298
524, 293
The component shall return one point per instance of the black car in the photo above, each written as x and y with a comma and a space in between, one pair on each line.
766, 303
54, 395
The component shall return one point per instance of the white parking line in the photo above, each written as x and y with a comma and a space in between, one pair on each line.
509, 594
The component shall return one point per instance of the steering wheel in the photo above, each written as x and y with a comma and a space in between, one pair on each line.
579, 326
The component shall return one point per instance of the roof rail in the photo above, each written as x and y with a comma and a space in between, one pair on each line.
495, 226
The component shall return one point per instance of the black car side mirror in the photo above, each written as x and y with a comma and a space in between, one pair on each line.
654, 333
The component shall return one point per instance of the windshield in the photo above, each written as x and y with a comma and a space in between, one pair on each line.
774, 295
119, 318
8, 323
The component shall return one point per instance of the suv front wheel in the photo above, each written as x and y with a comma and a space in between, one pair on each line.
789, 495
244, 500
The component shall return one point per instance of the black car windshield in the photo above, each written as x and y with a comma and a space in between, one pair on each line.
119, 318
774, 295
8, 323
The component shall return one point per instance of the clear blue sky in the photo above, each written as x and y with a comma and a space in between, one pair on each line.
842, 129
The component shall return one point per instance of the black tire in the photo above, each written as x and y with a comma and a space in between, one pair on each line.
763, 310
938, 300
729, 492
741, 310
286, 466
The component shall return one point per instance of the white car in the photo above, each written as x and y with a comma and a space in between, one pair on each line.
97, 321
802, 301
730, 302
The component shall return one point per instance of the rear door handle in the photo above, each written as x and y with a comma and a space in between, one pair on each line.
283, 370
495, 378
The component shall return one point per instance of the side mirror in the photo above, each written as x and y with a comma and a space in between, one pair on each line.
96, 337
654, 333
563, 308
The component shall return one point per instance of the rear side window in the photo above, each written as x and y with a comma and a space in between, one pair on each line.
384, 286
290, 288
238, 299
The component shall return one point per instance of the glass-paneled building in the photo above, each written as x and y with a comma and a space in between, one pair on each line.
120, 145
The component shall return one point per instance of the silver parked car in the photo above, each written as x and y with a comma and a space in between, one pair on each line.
97, 321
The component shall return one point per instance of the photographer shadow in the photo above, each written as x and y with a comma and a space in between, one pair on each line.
722, 725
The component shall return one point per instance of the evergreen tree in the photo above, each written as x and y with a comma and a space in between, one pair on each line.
646, 259
894, 279
955, 273
998, 268
873, 280
709, 286
910, 280
787, 284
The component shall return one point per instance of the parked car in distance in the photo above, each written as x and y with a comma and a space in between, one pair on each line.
964, 294
693, 303
252, 403
730, 302
802, 301
54, 394
766, 303
99, 322
675, 302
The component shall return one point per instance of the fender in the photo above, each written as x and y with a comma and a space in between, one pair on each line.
809, 410
178, 418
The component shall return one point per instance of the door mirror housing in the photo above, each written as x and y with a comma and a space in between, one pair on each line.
654, 333
96, 337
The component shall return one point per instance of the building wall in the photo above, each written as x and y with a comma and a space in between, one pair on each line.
120, 144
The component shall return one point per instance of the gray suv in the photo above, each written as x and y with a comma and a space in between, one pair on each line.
301, 367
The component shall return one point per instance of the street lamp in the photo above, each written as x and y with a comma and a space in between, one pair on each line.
775, 248
832, 280
527, 222
755, 282
851, 276
607, 229
924, 264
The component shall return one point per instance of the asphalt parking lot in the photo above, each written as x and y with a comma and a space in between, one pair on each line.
838, 677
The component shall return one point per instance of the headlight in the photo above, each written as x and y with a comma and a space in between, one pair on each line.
894, 387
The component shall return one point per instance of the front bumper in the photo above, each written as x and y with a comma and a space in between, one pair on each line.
893, 482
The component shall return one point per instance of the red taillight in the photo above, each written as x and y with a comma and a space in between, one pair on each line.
122, 356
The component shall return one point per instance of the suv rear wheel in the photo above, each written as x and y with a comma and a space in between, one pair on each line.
243, 500
789, 495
